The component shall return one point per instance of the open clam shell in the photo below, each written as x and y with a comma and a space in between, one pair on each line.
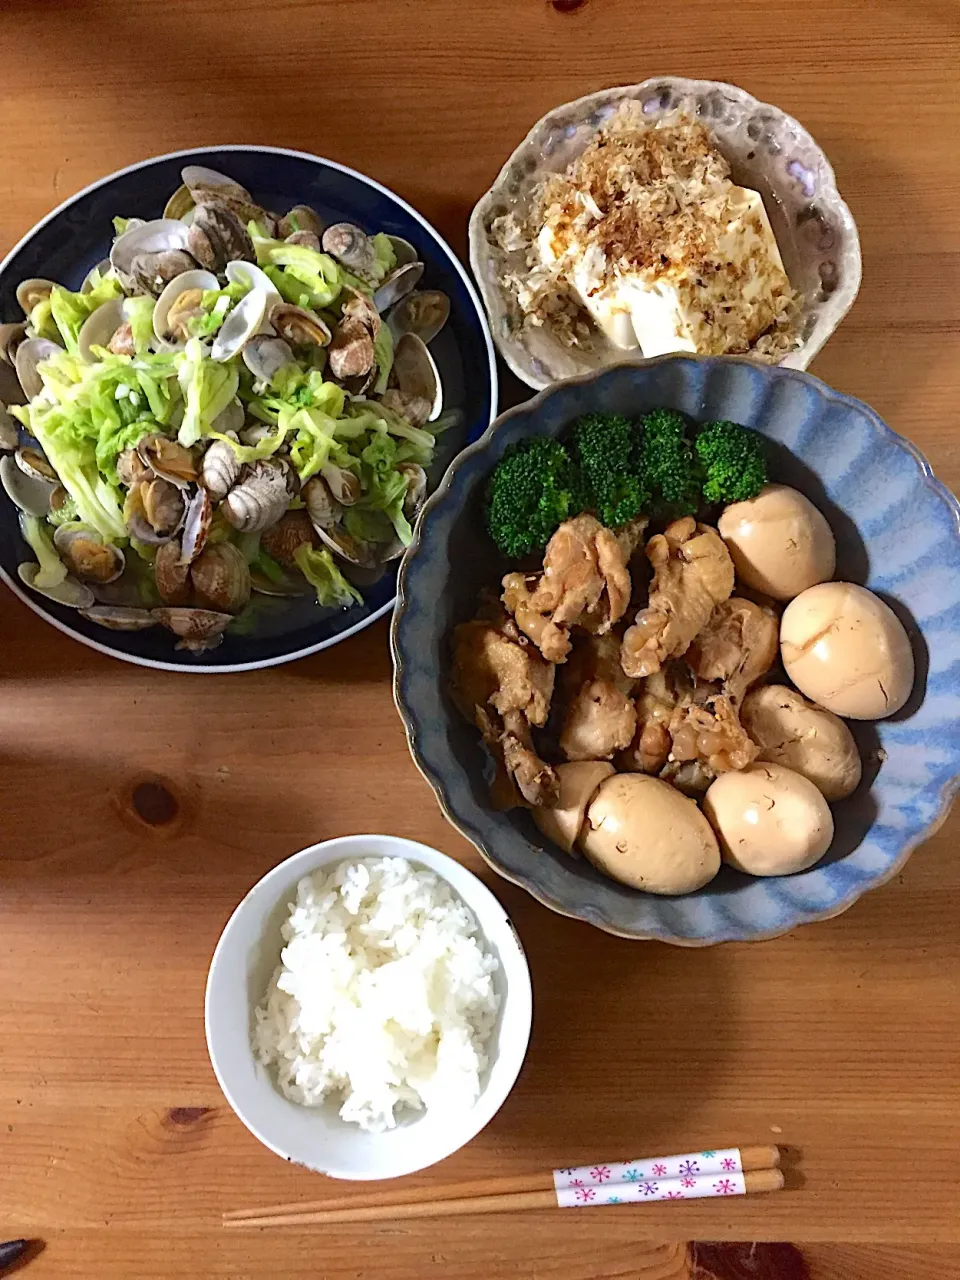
323, 508
31, 354
99, 327
265, 356
9, 433
343, 484
70, 592
87, 555
32, 463
403, 251
32, 291
218, 235
365, 554
179, 285
154, 511
119, 617
197, 522
350, 245
161, 235
167, 459
198, 629
11, 336
423, 313
415, 373
240, 325
397, 285
248, 274
298, 326
27, 492
179, 204
300, 218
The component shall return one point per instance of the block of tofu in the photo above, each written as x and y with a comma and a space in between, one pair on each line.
722, 301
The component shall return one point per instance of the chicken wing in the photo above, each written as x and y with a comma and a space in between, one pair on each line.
585, 582
599, 716
693, 573
738, 645
501, 684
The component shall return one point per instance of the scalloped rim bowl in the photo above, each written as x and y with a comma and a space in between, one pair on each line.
898, 532
768, 150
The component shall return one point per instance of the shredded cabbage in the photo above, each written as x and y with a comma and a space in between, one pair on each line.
331, 586
52, 570
70, 310
208, 386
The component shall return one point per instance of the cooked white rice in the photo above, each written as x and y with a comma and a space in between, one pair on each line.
384, 994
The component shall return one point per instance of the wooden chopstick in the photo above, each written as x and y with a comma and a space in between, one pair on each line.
523, 1191
757, 1181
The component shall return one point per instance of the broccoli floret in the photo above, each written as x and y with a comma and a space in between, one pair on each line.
533, 489
669, 463
732, 461
606, 448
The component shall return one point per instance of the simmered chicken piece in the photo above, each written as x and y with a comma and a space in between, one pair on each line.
600, 717
659, 697
693, 573
502, 685
708, 730
738, 645
584, 582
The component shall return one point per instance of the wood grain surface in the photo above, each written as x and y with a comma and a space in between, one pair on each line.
840, 1041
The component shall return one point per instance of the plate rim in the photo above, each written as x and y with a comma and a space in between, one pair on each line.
280, 660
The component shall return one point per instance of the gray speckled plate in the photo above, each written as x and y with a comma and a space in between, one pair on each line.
898, 532
767, 150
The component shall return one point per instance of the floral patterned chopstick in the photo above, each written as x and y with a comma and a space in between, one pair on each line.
693, 1176
731, 1172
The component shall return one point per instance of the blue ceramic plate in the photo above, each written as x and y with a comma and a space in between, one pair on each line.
69, 241
898, 532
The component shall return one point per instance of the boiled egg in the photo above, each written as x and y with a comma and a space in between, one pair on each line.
779, 542
770, 821
793, 732
847, 650
579, 781
642, 832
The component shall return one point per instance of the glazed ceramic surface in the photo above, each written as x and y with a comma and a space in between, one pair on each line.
77, 235
898, 533
247, 955
768, 151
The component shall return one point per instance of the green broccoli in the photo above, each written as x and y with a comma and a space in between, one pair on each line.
732, 462
669, 463
533, 489
606, 448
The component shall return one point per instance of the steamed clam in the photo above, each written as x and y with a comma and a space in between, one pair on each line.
414, 373
198, 629
87, 555
69, 592
30, 355
33, 291
180, 302
221, 408
220, 579
299, 327
260, 499
219, 469
167, 459
216, 236
350, 245
423, 313
300, 218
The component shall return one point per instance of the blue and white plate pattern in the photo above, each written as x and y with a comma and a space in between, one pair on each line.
77, 235
898, 532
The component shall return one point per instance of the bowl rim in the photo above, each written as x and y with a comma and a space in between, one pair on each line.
477, 238
456, 264
481, 901
937, 488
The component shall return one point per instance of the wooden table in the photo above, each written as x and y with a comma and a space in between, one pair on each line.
840, 1041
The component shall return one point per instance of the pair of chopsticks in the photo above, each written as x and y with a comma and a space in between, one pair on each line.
736, 1171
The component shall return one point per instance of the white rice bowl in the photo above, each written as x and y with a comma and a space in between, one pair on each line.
384, 995
315, 1135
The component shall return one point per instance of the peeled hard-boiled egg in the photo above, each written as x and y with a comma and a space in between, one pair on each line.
579, 781
769, 820
791, 731
645, 834
847, 650
779, 542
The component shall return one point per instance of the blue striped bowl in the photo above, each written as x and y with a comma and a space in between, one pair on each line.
898, 532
